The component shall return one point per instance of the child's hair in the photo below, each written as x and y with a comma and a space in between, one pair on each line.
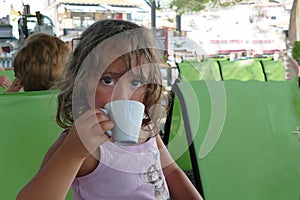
102, 43
40, 61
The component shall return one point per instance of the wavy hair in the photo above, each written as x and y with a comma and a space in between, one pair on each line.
40, 61
100, 44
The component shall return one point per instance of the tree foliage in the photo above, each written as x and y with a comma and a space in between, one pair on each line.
296, 51
183, 6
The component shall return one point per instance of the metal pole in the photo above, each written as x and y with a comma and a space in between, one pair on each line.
178, 23
153, 14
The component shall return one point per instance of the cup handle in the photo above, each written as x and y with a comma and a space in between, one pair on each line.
108, 132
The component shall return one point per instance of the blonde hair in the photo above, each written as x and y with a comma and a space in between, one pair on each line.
40, 61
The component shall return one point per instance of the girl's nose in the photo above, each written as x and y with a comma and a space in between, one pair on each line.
121, 92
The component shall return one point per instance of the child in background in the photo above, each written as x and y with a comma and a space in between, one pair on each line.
114, 60
39, 62
4, 81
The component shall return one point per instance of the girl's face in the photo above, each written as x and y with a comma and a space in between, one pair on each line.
116, 83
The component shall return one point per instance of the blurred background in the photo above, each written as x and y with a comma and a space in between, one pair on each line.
189, 29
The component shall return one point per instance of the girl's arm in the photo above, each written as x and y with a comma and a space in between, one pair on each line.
64, 159
180, 186
56, 174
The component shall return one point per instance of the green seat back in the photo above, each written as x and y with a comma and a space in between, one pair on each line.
176, 140
243, 70
8, 73
193, 70
28, 128
274, 70
243, 137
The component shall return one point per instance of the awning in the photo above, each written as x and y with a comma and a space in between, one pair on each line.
123, 9
102, 8
80, 8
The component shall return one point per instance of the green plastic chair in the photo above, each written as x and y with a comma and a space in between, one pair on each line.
237, 137
244, 70
274, 69
28, 128
8, 73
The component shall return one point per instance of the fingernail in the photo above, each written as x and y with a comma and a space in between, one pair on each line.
103, 110
100, 110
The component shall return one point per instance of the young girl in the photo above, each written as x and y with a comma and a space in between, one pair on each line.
114, 60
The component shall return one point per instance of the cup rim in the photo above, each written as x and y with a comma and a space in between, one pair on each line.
123, 100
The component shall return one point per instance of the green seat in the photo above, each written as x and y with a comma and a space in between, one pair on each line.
28, 128
175, 137
244, 70
194, 70
274, 69
239, 137
8, 73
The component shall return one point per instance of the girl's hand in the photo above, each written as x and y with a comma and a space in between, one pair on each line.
4, 82
88, 132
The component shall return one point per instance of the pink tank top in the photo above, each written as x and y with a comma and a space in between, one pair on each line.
125, 173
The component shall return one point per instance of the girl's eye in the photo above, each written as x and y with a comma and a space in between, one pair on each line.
136, 83
107, 80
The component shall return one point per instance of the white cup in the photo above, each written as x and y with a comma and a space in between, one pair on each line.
127, 116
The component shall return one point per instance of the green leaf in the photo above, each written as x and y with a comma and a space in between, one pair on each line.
296, 51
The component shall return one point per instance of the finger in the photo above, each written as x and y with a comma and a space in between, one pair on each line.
92, 117
102, 120
85, 116
107, 125
102, 135
90, 113
98, 131
104, 126
6, 84
8, 81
